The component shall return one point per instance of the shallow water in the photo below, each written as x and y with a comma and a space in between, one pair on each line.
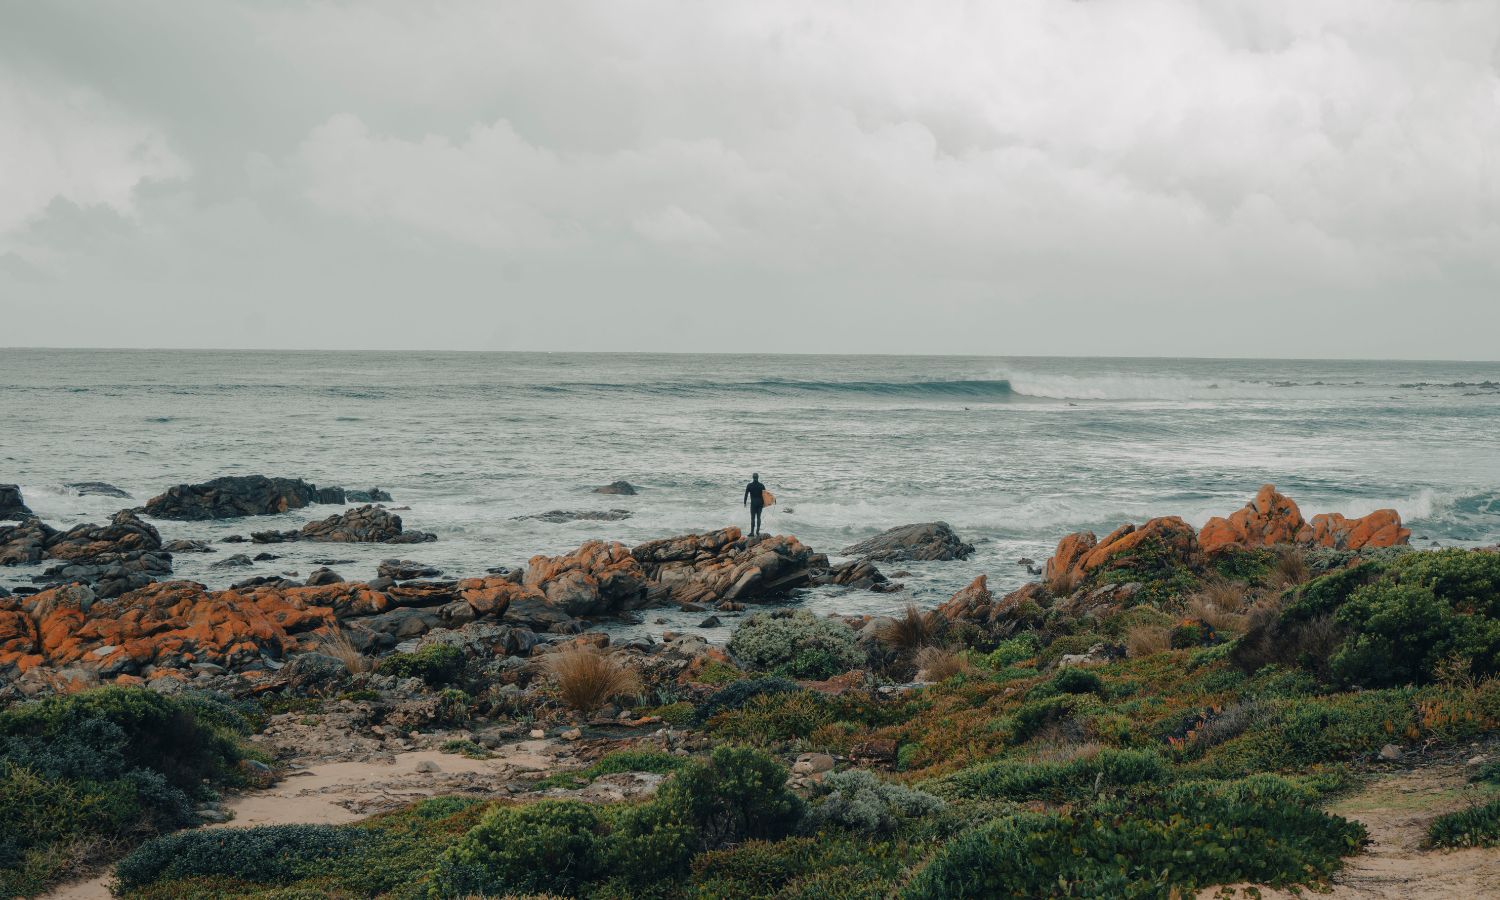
1012, 452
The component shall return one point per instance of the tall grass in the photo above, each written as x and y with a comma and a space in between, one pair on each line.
586, 679
339, 646
912, 630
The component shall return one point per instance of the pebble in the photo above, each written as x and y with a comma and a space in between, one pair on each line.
428, 765
1390, 752
572, 734
537, 734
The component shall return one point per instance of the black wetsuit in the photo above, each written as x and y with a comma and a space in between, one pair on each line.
754, 492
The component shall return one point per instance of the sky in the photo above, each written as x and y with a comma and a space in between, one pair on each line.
1283, 178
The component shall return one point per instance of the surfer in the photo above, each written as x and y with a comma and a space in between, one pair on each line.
755, 495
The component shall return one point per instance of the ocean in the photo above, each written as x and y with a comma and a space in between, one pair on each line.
1013, 452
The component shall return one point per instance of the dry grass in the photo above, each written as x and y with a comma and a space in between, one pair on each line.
340, 647
1066, 753
935, 664
1289, 570
1144, 640
586, 679
1219, 603
1063, 584
912, 630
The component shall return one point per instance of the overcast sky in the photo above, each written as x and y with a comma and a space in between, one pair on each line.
1112, 177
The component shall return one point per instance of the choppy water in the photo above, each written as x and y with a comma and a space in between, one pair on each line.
1012, 452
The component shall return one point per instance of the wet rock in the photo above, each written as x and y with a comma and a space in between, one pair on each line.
619, 488
237, 561
405, 570
266, 557
188, 546
234, 539
125, 533
110, 574
373, 495
710, 622
323, 575
24, 544
859, 573
365, 524
926, 541
96, 489
11, 506
233, 496
557, 516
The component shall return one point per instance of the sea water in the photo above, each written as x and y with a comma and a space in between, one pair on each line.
1013, 453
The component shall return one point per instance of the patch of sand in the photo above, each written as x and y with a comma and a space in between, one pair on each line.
1393, 866
338, 792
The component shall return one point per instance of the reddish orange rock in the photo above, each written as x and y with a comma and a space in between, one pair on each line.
1176, 537
1269, 519
1070, 553
597, 577
1381, 528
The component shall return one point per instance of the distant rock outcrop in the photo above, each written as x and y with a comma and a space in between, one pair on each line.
96, 489
363, 525
121, 556
238, 495
723, 565
11, 506
925, 541
622, 488
557, 516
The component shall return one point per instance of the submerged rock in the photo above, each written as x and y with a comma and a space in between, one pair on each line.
924, 541
238, 495
96, 489
11, 506
373, 495
578, 515
621, 488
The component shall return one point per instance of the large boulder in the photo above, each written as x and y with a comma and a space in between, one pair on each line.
977, 605
25, 543
596, 578
1271, 518
1079, 555
125, 533
924, 541
238, 495
724, 565
11, 507
110, 574
363, 525
1381, 528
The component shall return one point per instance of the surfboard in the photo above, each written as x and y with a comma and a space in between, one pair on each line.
767, 498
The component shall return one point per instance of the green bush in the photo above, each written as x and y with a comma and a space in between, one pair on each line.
739, 794
265, 855
547, 846
796, 644
1071, 680
1077, 779
1011, 651
1477, 826
1263, 829
861, 802
436, 664
654, 761
768, 718
736, 694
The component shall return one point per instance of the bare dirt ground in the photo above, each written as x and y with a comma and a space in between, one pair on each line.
1397, 809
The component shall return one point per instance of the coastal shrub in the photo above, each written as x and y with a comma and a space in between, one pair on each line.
1263, 829
586, 678
266, 855
736, 694
937, 664
825, 867
912, 630
1012, 651
83, 771
766, 718
737, 794
860, 801
1054, 782
542, 847
436, 664
796, 644
1070, 681
654, 761
1476, 826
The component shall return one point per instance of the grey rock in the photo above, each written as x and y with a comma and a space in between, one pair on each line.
710, 622
1390, 753
237, 495
406, 570
926, 541
323, 575
97, 489
619, 488
11, 506
188, 546
557, 516
373, 495
237, 561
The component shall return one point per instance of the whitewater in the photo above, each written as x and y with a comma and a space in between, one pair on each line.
1013, 453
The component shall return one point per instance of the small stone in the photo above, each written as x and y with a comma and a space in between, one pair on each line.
572, 734
812, 763
1390, 752
537, 734
428, 765
710, 622
213, 814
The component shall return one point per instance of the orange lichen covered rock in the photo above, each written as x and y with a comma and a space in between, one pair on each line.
1269, 519
1070, 554
596, 578
1176, 537
491, 596
724, 565
1381, 528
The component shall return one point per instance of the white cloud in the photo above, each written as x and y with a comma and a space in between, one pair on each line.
66, 143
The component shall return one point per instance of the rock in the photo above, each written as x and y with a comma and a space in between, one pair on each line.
572, 734
578, 515
812, 764
710, 622
313, 670
212, 815
188, 546
1390, 753
405, 570
110, 574
1097, 655
96, 489
621, 488
11, 506
236, 495
724, 565
859, 573
427, 766
537, 734
323, 575
126, 532
1381, 528
234, 539
237, 561
976, 605
373, 495
364, 524
25, 543
1071, 551
596, 578
1269, 519
926, 541
266, 557
1475, 761
1079, 554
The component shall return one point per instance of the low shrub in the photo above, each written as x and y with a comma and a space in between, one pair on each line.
654, 761
796, 644
736, 694
436, 664
542, 847
1145, 640
1476, 826
1078, 779
738, 794
860, 801
1263, 829
1012, 651
936, 664
767, 718
265, 855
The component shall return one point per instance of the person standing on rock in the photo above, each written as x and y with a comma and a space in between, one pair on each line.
755, 495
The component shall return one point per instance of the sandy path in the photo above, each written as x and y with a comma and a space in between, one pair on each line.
1393, 866
338, 792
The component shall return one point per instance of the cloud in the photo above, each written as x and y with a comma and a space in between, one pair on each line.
65, 143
